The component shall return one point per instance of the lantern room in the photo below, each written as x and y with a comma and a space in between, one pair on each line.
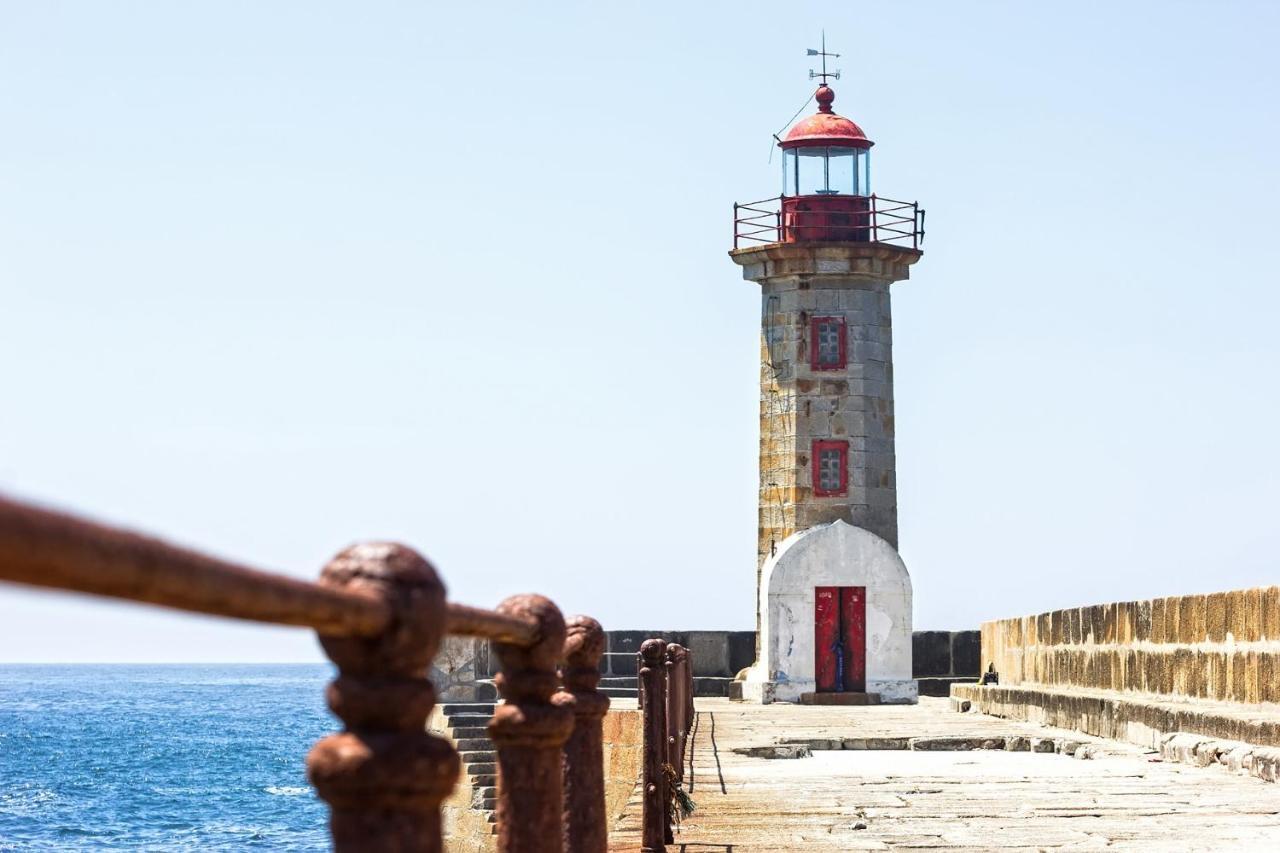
826, 154
826, 178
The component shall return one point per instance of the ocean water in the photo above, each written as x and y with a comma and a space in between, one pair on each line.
161, 757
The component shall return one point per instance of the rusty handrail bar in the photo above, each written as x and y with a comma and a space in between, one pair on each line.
45, 548
464, 621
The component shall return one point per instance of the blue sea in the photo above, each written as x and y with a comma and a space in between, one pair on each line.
161, 757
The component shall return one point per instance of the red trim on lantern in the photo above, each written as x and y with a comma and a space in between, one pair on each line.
814, 362
843, 448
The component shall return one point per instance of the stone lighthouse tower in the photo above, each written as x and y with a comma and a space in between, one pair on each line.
833, 596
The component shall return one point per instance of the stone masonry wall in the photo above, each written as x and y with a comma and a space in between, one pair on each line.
1221, 646
799, 405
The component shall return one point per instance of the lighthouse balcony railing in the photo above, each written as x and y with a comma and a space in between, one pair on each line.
828, 219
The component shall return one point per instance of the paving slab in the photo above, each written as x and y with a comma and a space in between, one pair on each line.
1125, 798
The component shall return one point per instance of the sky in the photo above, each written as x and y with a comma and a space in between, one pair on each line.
278, 277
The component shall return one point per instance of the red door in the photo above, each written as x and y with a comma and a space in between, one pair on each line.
826, 620
853, 635
840, 639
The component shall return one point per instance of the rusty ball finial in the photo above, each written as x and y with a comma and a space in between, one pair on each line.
653, 652
417, 595
825, 96
584, 642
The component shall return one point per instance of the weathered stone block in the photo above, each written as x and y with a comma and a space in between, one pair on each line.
623, 648
1164, 673
776, 751
1237, 664
459, 666
930, 653
952, 744
710, 652
1191, 619
1271, 613
1215, 618
1158, 621
680, 637
742, 650
1096, 623
875, 743
1142, 621
1244, 615
966, 653
1253, 688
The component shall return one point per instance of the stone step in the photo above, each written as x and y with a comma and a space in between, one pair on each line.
468, 720
451, 708
482, 770
706, 685
486, 791
477, 756
702, 686
620, 692
484, 780
460, 732
474, 744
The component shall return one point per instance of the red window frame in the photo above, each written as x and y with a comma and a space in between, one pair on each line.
843, 448
814, 325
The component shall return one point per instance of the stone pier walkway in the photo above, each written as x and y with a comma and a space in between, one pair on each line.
984, 799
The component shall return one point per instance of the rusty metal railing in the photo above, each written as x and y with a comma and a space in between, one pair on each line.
666, 702
380, 611
887, 221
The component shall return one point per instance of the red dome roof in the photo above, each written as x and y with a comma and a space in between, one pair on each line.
825, 128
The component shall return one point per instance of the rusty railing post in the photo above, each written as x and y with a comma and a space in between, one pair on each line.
688, 707
384, 776
678, 701
586, 826
652, 692
673, 710
529, 731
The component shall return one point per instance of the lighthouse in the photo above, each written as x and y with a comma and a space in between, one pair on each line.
833, 596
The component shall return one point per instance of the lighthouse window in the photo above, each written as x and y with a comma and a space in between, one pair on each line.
830, 468
827, 343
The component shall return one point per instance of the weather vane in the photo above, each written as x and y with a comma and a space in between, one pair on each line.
824, 74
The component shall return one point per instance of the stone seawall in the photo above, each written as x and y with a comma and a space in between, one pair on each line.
942, 658
1223, 646
623, 758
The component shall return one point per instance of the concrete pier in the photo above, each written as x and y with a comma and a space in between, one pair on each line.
946, 781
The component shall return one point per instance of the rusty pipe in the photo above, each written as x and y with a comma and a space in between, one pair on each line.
504, 628
45, 548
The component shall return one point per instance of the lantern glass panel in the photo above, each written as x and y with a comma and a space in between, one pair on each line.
822, 171
840, 171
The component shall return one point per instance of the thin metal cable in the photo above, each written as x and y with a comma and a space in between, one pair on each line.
788, 124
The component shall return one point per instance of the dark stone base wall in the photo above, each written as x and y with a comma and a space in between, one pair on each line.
939, 658
716, 654
946, 654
